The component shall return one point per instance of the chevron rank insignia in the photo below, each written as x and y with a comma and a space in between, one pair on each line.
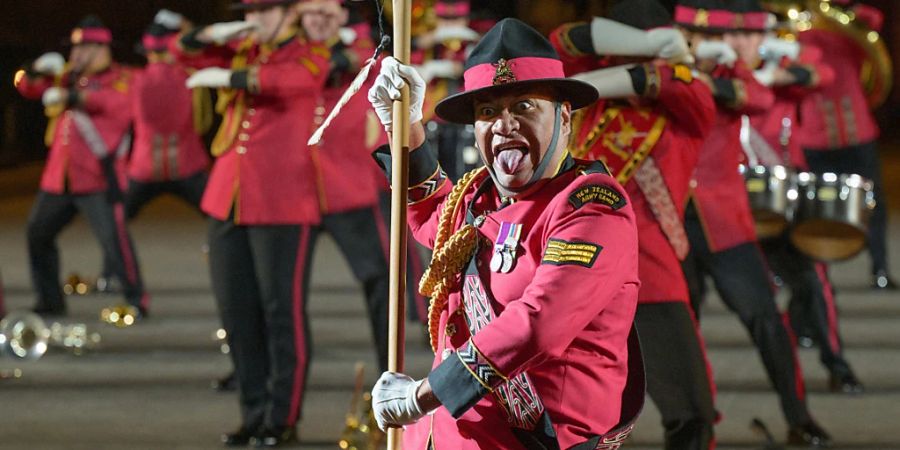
597, 193
560, 252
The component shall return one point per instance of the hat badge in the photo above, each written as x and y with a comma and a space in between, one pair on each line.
702, 18
504, 73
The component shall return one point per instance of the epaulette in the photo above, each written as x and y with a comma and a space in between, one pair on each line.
594, 167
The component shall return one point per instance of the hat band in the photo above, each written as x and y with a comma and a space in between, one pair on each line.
513, 70
91, 35
156, 43
451, 10
719, 18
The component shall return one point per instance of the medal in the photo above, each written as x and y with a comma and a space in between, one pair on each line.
505, 246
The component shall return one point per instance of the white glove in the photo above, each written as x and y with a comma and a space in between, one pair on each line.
51, 63
773, 49
169, 19
53, 96
223, 32
670, 44
386, 88
440, 68
214, 77
347, 35
612, 82
718, 51
456, 32
394, 400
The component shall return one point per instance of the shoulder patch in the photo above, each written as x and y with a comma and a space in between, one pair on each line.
597, 193
560, 252
682, 73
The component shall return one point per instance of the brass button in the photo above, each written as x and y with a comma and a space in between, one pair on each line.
251, 111
693, 183
241, 150
243, 137
320, 110
318, 120
245, 124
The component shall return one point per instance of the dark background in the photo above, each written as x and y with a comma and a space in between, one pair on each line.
30, 28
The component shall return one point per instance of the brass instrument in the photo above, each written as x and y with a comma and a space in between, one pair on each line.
876, 73
75, 284
361, 432
120, 316
24, 335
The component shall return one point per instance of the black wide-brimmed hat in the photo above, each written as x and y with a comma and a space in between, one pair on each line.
259, 4
90, 30
643, 14
512, 56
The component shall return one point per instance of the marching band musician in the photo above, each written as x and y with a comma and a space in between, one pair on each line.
718, 220
351, 216
839, 133
535, 269
262, 200
168, 154
86, 101
648, 128
794, 71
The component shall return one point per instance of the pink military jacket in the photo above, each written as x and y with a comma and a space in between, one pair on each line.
718, 188
166, 145
71, 166
556, 325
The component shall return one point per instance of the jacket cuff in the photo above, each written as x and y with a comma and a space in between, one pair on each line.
645, 80
729, 92
803, 76
189, 41
576, 39
463, 379
425, 173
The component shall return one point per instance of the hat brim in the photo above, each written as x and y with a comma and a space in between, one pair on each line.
460, 108
251, 6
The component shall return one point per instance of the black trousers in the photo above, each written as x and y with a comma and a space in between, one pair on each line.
741, 277
812, 300
189, 189
260, 277
50, 214
863, 160
678, 379
139, 194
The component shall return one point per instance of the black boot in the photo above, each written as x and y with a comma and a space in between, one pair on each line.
882, 281
845, 383
270, 437
808, 434
240, 437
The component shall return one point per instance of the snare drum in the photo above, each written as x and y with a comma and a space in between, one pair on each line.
771, 198
832, 215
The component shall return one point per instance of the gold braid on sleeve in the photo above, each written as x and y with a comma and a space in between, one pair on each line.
450, 255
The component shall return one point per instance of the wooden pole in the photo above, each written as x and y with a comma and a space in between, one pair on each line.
399, 185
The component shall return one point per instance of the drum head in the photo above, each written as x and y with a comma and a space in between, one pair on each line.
826, 240
768, 224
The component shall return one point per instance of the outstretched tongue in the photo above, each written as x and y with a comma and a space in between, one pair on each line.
509, 160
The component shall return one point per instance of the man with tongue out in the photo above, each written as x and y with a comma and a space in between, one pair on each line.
534, 275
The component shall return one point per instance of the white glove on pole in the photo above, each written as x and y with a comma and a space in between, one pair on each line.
462, 33
214, 77
52, 96
773, 49
169, 19
222, 32
394, 400
612, 82
51, 63
386, 88
718, 51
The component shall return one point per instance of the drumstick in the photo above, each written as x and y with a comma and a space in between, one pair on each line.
350, 92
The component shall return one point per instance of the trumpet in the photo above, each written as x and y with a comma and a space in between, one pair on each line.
24, 335
361, 432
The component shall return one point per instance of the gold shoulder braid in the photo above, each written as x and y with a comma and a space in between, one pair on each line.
450, 255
